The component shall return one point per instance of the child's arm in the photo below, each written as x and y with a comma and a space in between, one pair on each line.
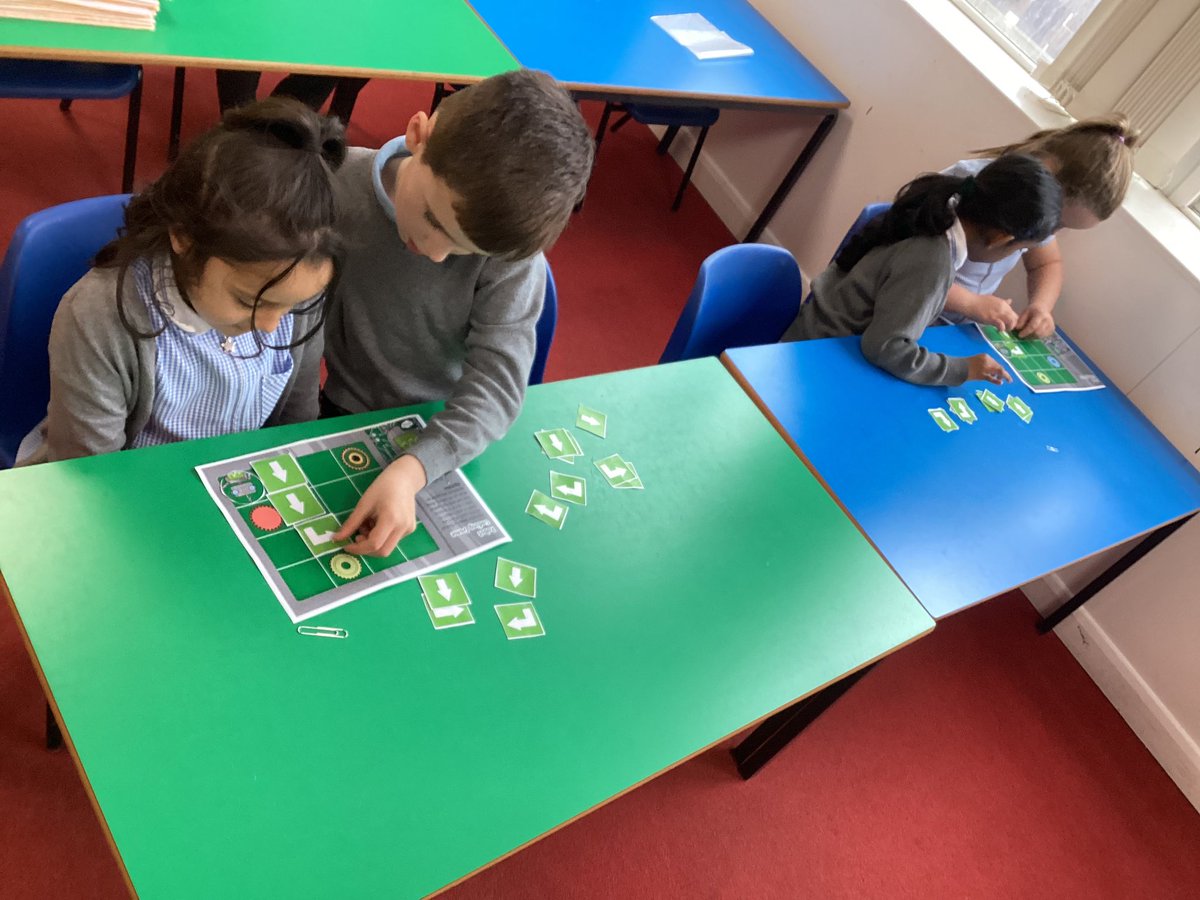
907, 299
1044, 274
500, 343
94, 373
985, 308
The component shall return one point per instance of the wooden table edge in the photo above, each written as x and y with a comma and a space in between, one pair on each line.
637, 784
87, 785
67, 54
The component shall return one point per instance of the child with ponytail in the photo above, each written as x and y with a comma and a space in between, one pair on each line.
889, 283
204, 316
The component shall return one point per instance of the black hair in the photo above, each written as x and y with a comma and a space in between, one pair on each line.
1015, 195
255, 188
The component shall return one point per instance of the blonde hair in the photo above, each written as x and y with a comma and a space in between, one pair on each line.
1092, 159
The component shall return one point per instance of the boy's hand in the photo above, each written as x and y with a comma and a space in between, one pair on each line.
387, 511
988, 309
980, 367
1035, 322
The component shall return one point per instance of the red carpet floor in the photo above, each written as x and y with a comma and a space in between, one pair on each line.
980, 762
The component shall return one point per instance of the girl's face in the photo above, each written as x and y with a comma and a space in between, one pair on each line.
1077, 216
989, 245
223, 295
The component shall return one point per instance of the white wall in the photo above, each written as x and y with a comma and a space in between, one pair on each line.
920, 101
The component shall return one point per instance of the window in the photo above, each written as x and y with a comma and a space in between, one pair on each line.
1037, 29
1138, 57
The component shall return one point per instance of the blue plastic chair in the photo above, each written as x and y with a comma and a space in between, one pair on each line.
744, 295
546, 324
40, 79
49, 252
870, 211
674, 118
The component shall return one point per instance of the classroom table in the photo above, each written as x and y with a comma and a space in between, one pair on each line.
613, 51
226, 753
367, 38
967, 515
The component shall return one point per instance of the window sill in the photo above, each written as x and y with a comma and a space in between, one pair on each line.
1144, 204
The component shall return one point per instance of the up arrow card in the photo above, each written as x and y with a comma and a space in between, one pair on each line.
516, 578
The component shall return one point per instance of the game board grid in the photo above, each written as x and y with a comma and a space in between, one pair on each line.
327, 476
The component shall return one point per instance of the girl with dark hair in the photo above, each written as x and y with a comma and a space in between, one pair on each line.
204, 316
890, 281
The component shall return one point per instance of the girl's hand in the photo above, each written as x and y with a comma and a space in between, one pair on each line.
387, 510
1035, 322
982, 367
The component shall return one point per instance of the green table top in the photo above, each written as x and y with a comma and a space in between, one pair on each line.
382, 38
228, 754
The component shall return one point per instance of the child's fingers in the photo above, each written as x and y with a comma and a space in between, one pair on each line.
353, 523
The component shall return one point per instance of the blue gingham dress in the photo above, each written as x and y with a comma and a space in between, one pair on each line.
200, 389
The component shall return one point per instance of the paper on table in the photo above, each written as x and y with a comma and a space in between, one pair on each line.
139, 14
701, 36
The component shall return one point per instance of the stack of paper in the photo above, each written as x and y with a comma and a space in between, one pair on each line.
113, 13
701, 36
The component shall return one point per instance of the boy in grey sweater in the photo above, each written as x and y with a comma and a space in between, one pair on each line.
443, 276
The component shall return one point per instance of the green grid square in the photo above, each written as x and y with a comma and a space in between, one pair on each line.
379, 563
285, 548
340, 454
350, 565
320, 467
306, 579
338, 496
419, 543
246, 511
364, 480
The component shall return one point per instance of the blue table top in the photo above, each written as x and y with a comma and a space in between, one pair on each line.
614, 46
967, 515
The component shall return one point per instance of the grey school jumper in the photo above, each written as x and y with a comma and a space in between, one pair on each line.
102, 378
890, 298
406, 330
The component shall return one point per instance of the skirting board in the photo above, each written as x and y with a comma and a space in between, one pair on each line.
1175, 750
718, 191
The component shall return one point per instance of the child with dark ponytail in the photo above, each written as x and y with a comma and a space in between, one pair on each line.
204, 316
890, 281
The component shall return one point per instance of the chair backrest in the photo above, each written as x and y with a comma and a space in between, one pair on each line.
870, 211
49, 252
744, 295
545, 329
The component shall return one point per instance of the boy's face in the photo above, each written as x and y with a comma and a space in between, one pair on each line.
425, 217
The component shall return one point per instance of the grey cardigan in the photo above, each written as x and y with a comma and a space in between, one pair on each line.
890, 297
102, 377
